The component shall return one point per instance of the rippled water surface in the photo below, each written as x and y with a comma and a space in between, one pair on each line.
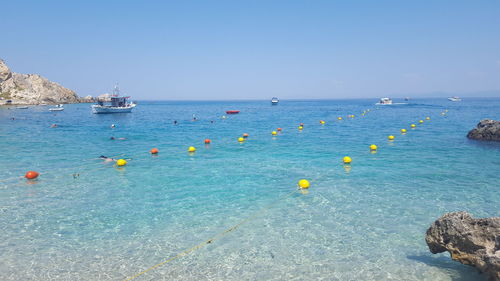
84, 219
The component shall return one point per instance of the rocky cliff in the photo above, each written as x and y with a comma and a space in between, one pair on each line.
486, 130
31, 89
474, 242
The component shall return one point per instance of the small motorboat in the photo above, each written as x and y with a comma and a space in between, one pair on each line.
275, 101
22, 107
232, 112
384, 101
58, 107
454, 99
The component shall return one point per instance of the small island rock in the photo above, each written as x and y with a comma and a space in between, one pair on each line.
474, 242
486, 130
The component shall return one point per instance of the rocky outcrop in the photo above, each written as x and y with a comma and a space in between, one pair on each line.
474, 242
486, 130
32, 88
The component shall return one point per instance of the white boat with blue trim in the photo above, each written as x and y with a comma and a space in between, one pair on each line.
115, 104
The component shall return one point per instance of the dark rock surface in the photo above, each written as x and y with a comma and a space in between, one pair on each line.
486, 130
474, 242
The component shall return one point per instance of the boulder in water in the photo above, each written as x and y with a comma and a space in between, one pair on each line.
487, 129
474, 242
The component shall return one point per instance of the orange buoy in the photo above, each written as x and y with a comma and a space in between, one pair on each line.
302, 124
245, 135
207, 141
31, 175
154, 150
279, 129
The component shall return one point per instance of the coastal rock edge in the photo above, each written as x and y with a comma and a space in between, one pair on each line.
474, 242
487, 129
31, 89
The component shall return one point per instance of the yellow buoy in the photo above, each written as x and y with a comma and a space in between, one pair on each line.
373, 147
391, 137
339, 118
413, 125
121, 162
274, 133
191, 149
240, 139
321, 122
403, 131
347, 160
300, 127
421, 121
427, 118
304, 184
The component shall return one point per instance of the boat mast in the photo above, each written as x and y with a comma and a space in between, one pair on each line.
116, 91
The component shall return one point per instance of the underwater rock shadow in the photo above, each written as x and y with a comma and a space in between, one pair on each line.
459, 271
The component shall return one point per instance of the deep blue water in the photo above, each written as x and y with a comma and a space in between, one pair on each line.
84, 219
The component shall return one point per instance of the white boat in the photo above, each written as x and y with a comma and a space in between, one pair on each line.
275, 101
58, 107
116, 104
384, 101
454, 99
22, 107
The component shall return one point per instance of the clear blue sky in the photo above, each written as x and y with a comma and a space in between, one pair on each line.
257, 49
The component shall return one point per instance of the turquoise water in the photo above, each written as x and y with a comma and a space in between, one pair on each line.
84, 219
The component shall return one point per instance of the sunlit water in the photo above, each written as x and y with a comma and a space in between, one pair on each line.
87, 220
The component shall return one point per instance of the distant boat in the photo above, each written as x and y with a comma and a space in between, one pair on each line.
22, 107
454, 99
58, 107
384, 101
117, 104
232, 112
275, 101
407, 99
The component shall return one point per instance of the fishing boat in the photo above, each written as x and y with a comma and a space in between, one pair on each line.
58, 107
116, 104
275, 101
232, 112
454, 99
384, 101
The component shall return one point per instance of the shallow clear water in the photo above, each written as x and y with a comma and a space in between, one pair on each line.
363, 222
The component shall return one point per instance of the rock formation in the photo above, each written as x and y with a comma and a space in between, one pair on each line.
32, 89
486, 130
474, 242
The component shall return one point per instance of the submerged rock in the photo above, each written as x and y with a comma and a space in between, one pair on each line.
32, 88
486, 130
474, 242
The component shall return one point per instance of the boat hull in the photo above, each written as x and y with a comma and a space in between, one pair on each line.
97, 109
56, 109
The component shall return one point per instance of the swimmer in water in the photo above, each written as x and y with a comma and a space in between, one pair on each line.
53, 126
113, 125
194, 118
175, 122
107, 159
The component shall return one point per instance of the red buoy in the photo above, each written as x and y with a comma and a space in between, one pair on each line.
207, 141
245, 135
301, 124
31, 175
154, 150
279, 129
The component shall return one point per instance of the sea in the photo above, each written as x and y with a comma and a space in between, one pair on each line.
232, 210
